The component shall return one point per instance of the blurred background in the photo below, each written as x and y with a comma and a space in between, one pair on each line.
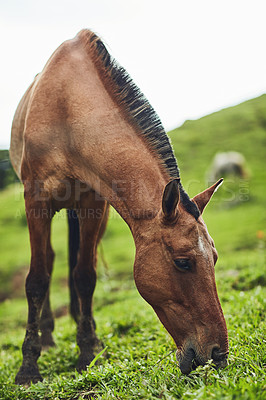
202, 65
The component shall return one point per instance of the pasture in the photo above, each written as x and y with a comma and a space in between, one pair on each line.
139, 358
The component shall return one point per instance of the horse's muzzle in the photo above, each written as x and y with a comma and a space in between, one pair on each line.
189, 360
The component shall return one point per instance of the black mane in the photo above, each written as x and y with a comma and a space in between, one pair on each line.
142, 114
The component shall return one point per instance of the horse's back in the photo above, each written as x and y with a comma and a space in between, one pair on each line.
72, 120
42, 121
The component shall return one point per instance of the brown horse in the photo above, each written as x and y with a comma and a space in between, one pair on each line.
83, 137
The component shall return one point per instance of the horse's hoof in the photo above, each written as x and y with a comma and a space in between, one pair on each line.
26, 376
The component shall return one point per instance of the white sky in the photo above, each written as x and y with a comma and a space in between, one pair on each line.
189, 57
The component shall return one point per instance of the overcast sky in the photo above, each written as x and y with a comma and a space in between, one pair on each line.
189, 57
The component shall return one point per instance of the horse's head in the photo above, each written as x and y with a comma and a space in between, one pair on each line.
174, 272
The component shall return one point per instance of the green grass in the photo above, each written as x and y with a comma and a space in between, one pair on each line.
139, 362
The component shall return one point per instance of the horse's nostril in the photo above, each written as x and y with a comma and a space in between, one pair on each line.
218, 355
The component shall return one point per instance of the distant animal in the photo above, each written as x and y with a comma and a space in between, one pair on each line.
84, 137
227, 163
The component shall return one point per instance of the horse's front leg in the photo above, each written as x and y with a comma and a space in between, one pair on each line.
37, 283
90, 218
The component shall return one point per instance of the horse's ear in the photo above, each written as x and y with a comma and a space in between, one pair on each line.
203, 198
171, 199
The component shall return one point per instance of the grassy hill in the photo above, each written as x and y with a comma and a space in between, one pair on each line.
241, 128
136, 340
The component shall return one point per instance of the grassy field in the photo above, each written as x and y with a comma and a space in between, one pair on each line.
139, 360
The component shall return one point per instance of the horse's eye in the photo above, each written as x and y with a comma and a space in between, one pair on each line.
183, 264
